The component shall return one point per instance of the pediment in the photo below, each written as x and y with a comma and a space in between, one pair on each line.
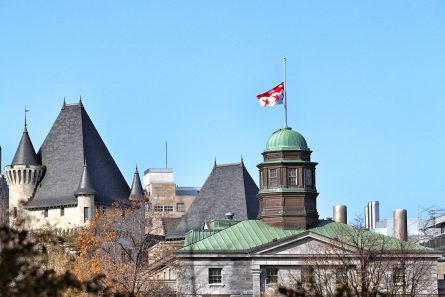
305, 243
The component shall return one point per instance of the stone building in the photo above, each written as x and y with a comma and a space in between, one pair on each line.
288, 241
71, 177
165, 196
4, 195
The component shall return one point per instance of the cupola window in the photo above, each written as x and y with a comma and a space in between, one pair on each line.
291, 177
308, 177
273, 178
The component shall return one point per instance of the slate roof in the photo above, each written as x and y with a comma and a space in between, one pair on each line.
169, 225
136, 188
229, 187
25, 154
85, 185
250, 234
73, 140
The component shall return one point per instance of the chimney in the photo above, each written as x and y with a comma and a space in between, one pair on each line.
367, 217
340, 214
400, 224
372, 214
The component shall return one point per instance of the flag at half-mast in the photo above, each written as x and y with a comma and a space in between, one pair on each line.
273, 96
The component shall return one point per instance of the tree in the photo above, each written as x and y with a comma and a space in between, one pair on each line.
25, 268
125, 244
360, 263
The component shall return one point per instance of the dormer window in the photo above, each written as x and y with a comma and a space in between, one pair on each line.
273, 178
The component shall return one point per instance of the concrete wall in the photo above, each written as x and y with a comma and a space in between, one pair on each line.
163, 175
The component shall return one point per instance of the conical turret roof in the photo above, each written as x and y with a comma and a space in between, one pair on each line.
137, 192
25, 154
85, 185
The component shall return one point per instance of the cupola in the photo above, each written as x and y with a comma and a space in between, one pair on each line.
288, 191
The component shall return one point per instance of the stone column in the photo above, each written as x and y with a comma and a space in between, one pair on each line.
256, 278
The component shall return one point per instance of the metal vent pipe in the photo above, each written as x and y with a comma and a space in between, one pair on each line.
400, 224
340, 214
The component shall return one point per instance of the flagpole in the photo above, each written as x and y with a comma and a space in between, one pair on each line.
285, 95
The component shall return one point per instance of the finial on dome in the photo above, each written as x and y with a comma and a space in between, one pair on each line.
214, 164
242, 161
64, 102
80, 101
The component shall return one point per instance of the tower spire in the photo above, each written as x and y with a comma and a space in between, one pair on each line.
26, 124
137, 192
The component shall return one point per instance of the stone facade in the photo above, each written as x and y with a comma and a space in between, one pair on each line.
4, 199
246, 274
164, 195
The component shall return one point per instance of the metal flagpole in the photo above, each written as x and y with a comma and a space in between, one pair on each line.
285, 96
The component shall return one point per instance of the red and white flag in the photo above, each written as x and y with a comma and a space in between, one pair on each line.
272, 97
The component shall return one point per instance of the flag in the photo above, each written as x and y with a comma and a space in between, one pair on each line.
273, 96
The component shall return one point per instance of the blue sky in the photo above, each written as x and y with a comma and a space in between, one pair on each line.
365, 86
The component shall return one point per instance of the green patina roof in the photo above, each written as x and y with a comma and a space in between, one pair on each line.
286, 139
254, 233
242, 236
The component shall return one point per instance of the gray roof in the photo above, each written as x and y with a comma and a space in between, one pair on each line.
187, 191
86, 185
136, 187
25, 154
72, 141
169, 225
228, 188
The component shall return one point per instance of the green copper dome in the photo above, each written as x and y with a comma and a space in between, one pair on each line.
285, 139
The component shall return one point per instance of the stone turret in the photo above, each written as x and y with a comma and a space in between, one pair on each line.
85, 197
23, 175
137, 192
4, 195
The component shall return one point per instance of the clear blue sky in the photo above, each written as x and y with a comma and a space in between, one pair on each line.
365, 86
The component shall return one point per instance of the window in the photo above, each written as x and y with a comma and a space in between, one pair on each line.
291, 177
398, 276
62, 211
85, 214
159, 208
180, 207
307, 274
273, 178
271, 275
341, 276
168, 208
45, 213
308, 177
215, 275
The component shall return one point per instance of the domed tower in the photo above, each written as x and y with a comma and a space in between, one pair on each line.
23, 175
137, 192
288, 191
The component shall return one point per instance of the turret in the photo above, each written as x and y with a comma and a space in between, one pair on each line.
137, 192
23, 175
85, 197
4, 195
288, 191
